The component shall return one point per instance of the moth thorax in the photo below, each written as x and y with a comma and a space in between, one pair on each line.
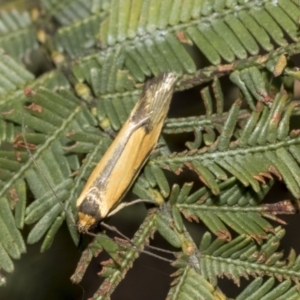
88, 213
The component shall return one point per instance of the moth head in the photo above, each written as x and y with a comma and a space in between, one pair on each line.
85, 222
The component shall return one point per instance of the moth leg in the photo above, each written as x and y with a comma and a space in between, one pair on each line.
112, 134
140, 123
125, 204
137, 125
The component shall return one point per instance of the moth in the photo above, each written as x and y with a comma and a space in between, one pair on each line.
122, 162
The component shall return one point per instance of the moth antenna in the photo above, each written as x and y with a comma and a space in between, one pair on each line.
155, 255
161, 250
83, 291
68, 215
112, 228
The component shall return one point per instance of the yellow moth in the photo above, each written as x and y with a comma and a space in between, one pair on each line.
122, 162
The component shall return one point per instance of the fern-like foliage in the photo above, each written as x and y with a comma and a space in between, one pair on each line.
17, 34
237, 259
265, 139
102, 53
